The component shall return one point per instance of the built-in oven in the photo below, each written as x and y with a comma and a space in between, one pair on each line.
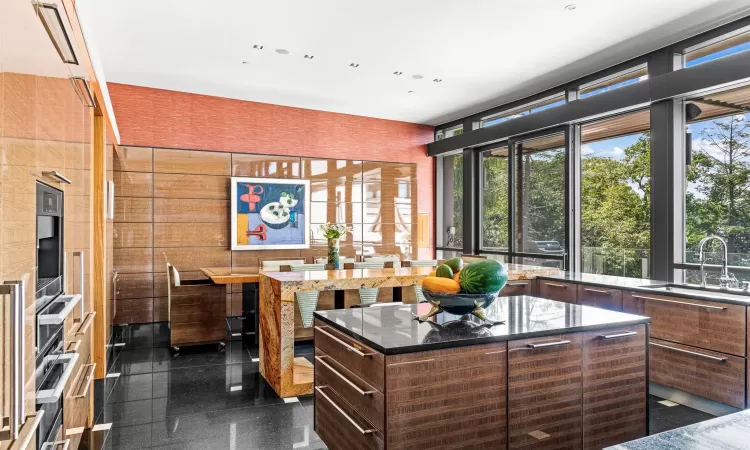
53, 370
50, 257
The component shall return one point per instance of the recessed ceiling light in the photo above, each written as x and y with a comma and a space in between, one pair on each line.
258, 47
282, 51
245, 62
570, 7
438, 80
353, 65
309, 56
397, 73
417, 77
410, 92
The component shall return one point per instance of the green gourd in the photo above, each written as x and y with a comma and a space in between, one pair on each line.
444, 271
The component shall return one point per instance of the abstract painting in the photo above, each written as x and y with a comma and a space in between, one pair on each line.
270, 213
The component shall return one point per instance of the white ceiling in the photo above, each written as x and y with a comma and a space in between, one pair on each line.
486, 52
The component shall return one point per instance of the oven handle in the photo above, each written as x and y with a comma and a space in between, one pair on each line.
16, 290
57, 319
53, 395
83, 279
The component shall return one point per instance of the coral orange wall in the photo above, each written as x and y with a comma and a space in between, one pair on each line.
161, 118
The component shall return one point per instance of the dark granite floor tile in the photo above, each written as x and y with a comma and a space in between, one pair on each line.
132, 387
129, 437
160, 334
196, 356
664, 418
136, 336
134, 361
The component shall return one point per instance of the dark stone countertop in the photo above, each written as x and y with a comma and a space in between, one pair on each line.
730, 432
391, 329
645, 286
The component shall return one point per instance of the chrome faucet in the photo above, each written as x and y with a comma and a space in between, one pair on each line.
725, 280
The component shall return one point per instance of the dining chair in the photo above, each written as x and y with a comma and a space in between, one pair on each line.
369, 296
395, 259
306, 301
420, 263
275, 265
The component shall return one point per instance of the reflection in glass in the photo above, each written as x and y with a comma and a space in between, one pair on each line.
494, 194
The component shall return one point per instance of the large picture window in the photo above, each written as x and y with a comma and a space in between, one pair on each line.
450, 202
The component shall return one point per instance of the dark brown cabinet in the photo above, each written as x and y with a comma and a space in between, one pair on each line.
545, 392
600, 297
524, 287
558, 290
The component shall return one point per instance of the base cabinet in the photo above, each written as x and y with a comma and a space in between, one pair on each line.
577, 390
558, 290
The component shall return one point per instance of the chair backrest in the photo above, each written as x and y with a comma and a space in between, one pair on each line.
307, 267
395, 259
369, 265
275, 265
422, 263
468, 259
343, 260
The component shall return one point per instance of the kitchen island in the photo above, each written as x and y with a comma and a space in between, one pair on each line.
552, 375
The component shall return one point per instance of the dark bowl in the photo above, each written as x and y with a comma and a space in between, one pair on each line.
461, 303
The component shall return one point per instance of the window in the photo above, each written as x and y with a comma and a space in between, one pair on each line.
494, 195
450, 201
616, 81
718, 48
529, 108
449, 132
615, 213
717, 195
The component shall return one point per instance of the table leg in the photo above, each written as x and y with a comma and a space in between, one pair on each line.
250, 328
339, 299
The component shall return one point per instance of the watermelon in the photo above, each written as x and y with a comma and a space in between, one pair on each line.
483, 277
444, 271
455, 264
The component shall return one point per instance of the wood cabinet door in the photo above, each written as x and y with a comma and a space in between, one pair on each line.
600, 297
615, 387
711, 325
521, 287
545, 392
449, 398
558, 290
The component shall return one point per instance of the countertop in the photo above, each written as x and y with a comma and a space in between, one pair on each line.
646, 286
391, 329
730, 432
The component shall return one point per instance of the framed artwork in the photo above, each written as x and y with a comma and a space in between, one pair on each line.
270, 213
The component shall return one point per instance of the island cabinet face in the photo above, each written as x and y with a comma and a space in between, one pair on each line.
615, 395
545, 392
558, 290
449, 398
520, 287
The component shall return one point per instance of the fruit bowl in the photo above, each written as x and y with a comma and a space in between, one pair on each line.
458, 304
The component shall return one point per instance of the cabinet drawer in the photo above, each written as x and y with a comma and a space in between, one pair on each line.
545, 396
525, 287
557, 290
367, 400
77, 398
715, 326
713, 375
79, 340
600, 297
340, 426
362, 361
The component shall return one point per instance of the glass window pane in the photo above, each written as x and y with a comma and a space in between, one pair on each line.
448, 254
450, 181
735, 43
494, 192
539, 172
614, 82
529, 108
615, 196
717, 197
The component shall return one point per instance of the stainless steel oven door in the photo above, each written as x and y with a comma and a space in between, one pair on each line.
51, 319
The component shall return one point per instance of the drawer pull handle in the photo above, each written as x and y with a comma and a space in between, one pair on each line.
86, 324
563, 286
523, 283
55, 445
73, 346
341, 411
702, 355
618, 335
718, 308
87, 382
348, 347
597, 291
338, 374
548, 344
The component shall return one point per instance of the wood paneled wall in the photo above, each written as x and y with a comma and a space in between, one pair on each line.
176, 203
150, 117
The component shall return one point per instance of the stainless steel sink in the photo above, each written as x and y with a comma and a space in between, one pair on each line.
690, 289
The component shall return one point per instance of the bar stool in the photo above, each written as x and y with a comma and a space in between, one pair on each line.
306, 301
369, 296
421, 263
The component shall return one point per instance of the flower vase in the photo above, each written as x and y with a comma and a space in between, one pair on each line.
333, 253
